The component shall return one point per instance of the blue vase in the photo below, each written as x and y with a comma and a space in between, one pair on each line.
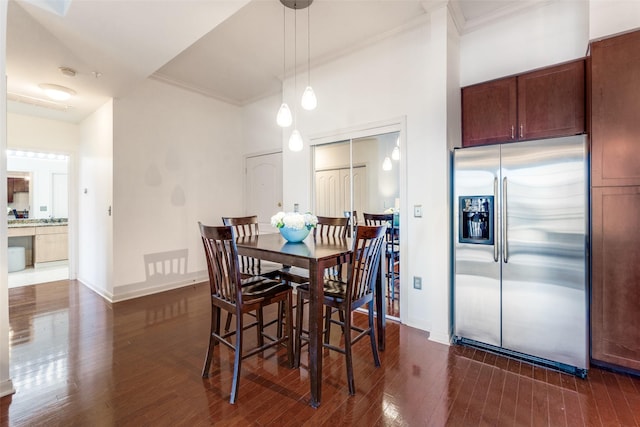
294, 236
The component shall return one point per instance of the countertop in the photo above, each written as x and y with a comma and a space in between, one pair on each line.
40, 222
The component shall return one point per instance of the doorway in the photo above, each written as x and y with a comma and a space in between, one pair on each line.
37, 208
362, 175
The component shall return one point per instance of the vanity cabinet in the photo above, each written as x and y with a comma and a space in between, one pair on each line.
544, 103
51, 243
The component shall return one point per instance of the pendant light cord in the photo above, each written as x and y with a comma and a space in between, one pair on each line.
308, 46
284, 50
295, 63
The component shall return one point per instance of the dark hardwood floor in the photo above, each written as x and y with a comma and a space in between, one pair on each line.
79, 361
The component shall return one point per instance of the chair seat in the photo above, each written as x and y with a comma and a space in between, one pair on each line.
332, 288
263, 288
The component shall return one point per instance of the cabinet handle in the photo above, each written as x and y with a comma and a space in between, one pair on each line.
512, 135
505, 224
521, 131
495, 221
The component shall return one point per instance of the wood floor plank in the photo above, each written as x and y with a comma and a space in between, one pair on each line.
78, 361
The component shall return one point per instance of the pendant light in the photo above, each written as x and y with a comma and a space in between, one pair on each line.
283, 118
295, 140
386, 164
395, 154
309, 100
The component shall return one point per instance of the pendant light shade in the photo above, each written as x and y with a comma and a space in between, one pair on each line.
309, 100
395, 154
386, 164
284, 117
295, 141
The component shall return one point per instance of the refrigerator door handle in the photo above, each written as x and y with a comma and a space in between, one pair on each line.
495, 220
505, 225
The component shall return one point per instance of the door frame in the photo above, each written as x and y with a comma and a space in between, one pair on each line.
398, 124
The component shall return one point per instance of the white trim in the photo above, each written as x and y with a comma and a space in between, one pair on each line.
6, 388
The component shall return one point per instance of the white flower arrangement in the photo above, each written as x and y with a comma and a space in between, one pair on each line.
294, 220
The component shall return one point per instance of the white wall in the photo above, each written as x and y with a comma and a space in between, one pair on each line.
6, 386
607, 17
94, 192
178, 159
548, 34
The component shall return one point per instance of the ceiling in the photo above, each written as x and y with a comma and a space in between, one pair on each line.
230, 50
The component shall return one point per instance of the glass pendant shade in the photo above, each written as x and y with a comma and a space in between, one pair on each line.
284, 117
309, 100
386, 164
295, 141
395, 154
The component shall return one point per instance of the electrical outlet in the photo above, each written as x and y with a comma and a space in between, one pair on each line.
417, 282
417, 211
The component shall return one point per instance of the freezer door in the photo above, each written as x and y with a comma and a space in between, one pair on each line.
544, 298
477, 266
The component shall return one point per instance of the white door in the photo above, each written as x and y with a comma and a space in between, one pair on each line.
360, 191
328, 194
263, 195
59, 195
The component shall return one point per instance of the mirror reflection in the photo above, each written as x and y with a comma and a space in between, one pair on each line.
361, 176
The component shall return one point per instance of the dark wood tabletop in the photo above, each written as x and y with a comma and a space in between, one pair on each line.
314, 255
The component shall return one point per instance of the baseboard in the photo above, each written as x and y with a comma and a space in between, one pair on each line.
137, 290
440, 338
6, 388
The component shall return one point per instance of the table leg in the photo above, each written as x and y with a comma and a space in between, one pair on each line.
316, 297
381, 307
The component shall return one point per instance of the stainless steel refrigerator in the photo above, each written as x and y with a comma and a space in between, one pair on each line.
520, 274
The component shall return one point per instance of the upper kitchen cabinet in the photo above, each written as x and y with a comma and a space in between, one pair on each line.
615, 102
489, 112
544, 103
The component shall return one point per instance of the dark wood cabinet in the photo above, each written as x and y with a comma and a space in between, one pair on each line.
615, 201
489, 112
615, 120
540, 104
615, 294
16, 185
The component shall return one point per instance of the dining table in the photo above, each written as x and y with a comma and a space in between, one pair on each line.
315, 254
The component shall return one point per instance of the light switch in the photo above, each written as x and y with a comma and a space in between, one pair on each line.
417, 211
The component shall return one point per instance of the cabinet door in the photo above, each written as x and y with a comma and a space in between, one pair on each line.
615, 127
489, 112
10, 182
615, 294
551, 101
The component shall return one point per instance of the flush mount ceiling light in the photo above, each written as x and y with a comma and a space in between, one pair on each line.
57, 92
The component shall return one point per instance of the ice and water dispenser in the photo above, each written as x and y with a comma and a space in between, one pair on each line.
476, 220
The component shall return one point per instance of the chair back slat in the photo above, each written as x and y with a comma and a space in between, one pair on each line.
365, 261
331, 227
222, 255
245, 226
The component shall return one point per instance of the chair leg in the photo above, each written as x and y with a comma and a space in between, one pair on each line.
348, 354
289, 328
281, 314
227, 325
299, 318
237, 361
260, 319
372, 336
215, 316
327, 325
